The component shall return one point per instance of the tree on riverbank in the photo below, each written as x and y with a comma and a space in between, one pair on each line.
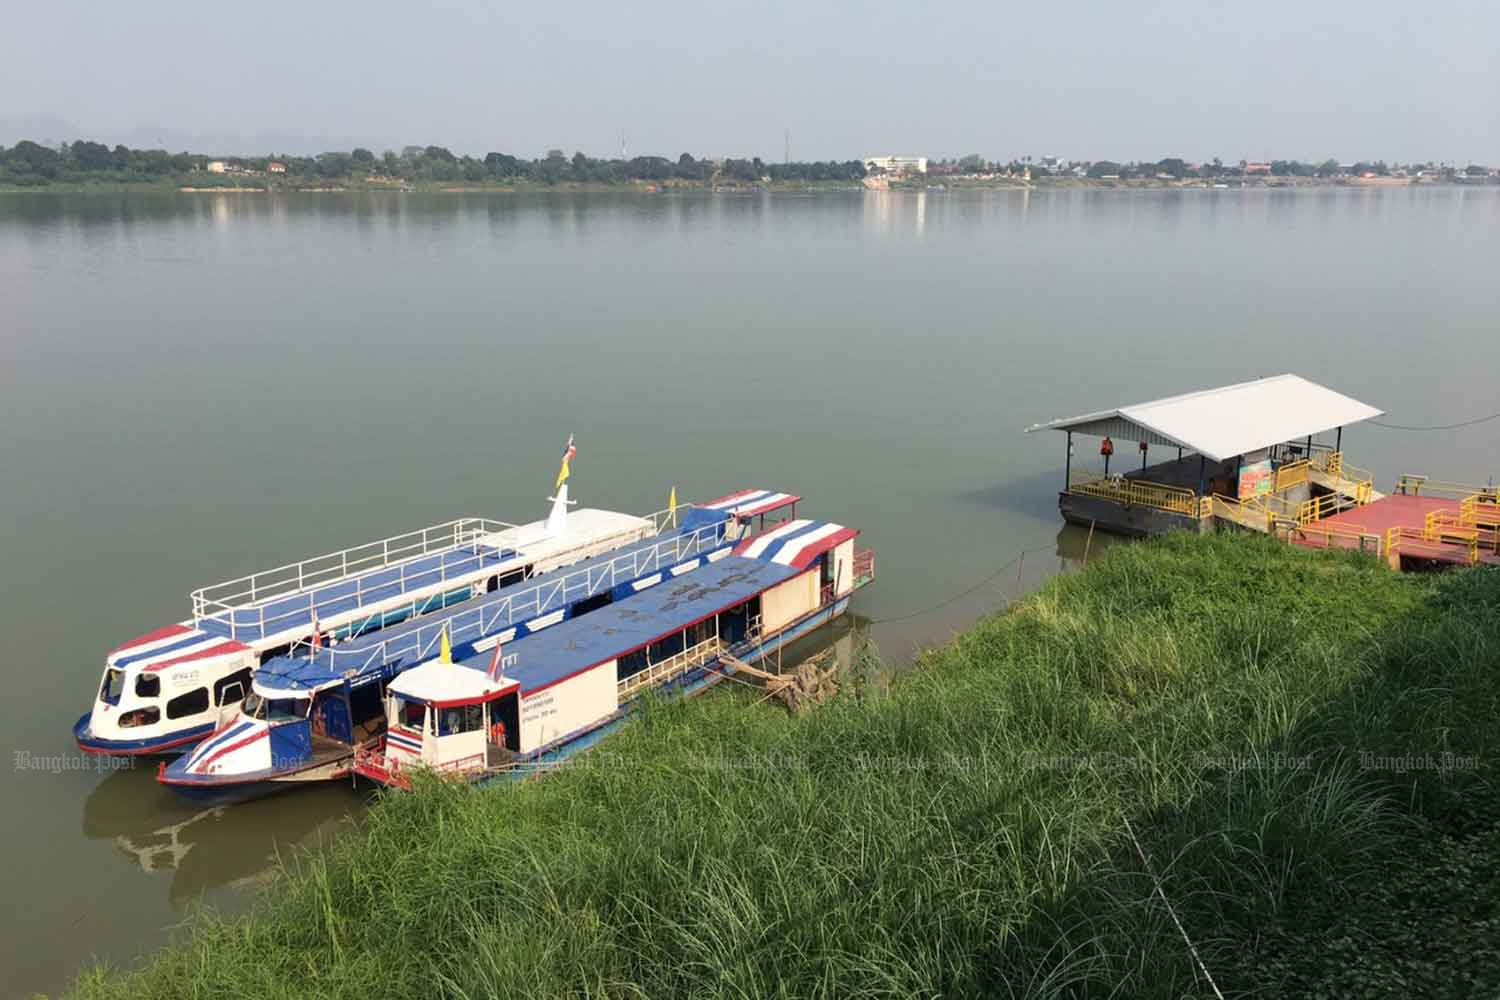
30, 164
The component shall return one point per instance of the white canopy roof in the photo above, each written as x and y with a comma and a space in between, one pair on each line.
1228, 421
439, 682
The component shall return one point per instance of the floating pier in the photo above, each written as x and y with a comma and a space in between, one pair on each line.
1256, 456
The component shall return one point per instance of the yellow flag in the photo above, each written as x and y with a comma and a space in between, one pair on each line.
445, 653
672, 505
562, 473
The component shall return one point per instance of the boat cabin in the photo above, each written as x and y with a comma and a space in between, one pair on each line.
448, 718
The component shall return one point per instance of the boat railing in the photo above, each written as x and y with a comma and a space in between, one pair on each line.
1325, 505
1429, 542
1139, 492
373, 763
665, 670
1423, 486
223, 599
864, 566
526, 602
668, 517
1480, 510
1333, 535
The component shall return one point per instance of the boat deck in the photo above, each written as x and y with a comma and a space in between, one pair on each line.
326, 751
297, 611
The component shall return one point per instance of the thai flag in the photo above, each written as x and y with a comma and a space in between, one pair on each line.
568, 453
496, 659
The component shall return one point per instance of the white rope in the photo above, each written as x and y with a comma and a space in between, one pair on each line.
1180, 929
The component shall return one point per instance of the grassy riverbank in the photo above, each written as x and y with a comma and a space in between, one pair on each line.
964, 832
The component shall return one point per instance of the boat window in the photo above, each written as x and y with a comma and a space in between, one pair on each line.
192, 703
114, 685
287, 709
702, 632
254, 706
464, 719
230, 689
147, 685
140, 717
410, 713
631, 664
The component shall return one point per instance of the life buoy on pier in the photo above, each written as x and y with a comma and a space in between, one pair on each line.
1106, 447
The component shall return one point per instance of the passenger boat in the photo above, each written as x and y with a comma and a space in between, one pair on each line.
494, 715
312, 708
166, 690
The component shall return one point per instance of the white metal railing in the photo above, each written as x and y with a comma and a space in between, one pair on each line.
224, 599
673, 665
503, 610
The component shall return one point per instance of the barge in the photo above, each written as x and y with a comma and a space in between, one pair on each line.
1257, 456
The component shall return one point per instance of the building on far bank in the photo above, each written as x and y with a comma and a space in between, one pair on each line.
275, 167
216, 166
897, 164
1257, 168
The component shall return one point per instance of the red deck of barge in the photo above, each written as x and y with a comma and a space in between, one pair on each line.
1399, 510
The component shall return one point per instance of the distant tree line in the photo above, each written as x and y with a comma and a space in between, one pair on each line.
30, 163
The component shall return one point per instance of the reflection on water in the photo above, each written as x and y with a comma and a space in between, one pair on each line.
203, 849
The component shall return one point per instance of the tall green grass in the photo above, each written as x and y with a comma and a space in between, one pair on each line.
963, 832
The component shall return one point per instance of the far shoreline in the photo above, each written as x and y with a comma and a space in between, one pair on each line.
934, 185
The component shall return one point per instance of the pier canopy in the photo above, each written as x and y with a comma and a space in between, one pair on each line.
1231, 420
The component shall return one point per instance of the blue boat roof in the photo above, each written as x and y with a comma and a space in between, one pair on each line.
557, 653
359, 654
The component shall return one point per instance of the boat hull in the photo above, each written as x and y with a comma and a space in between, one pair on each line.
169, 744
211, 790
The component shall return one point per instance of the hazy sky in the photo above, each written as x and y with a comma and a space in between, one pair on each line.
1253, 79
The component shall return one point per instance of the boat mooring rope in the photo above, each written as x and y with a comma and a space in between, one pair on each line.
1436, 427
964, 593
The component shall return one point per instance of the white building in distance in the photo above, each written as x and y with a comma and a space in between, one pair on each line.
897, 164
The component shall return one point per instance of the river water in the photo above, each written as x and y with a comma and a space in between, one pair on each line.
193, 387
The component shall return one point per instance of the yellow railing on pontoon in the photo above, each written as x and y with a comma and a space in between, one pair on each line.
1400, 538
1319, 507
1138, 492
1422, 486
1333, 465
1333, 536
1291, 474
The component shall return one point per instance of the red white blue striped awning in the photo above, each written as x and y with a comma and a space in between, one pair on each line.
751, 503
